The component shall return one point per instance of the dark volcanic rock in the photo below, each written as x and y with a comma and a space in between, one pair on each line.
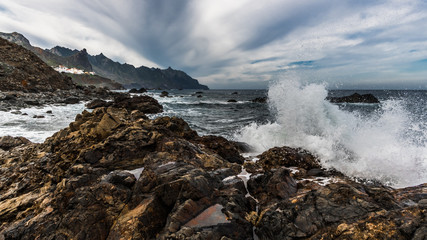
71, 100
164, 94
111, 176
144, 104
141, 90
272, 186
355, 98
288, 157
96, 103
116, 174
8, 142
224, 148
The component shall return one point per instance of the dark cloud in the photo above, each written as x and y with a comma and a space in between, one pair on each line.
284, 25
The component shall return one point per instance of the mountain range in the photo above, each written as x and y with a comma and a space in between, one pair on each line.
108, 72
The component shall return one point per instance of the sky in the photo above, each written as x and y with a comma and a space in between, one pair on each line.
357, 44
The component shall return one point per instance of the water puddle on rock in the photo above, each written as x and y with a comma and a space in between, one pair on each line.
209, 217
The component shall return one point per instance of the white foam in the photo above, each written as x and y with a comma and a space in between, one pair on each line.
38, 129
388, 146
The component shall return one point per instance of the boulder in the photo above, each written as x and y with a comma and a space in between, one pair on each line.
288, 157
144, 104
8, 142
164, 94
141, 90
71, 100
96, 103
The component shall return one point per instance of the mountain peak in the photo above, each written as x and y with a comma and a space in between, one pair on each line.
17, 38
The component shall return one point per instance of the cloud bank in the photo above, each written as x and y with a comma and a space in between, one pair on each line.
242, 43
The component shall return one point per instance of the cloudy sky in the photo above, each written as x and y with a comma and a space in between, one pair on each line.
241, 43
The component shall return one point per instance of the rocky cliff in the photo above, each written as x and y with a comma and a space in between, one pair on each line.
116, 174
128, 75
21, 69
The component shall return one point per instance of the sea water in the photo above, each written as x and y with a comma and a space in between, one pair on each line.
51, 119
386, 142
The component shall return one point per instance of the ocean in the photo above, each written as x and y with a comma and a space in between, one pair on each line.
384, 142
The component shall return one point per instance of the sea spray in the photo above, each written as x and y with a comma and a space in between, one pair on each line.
385, 145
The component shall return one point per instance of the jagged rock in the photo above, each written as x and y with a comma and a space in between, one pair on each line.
272, 185
8, 142
226, 149
141, 90
354, 98
345, 210
144, 104
288, 157
96, 103
110, 176
115, 174
71, 100
164, 94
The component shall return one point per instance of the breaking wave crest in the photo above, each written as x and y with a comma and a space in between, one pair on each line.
387, 145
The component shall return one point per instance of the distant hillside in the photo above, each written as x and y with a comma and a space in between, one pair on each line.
125, 74
94, 80
22, 70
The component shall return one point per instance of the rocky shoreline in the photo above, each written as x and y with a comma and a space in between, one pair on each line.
116, 174
16, 100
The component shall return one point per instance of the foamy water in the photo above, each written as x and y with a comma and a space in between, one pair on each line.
38, 129
388, 146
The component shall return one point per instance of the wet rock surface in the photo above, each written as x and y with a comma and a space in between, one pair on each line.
15, 100
116, 174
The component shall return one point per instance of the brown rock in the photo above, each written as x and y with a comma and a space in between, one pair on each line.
288, 157
22, 70
8, 142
